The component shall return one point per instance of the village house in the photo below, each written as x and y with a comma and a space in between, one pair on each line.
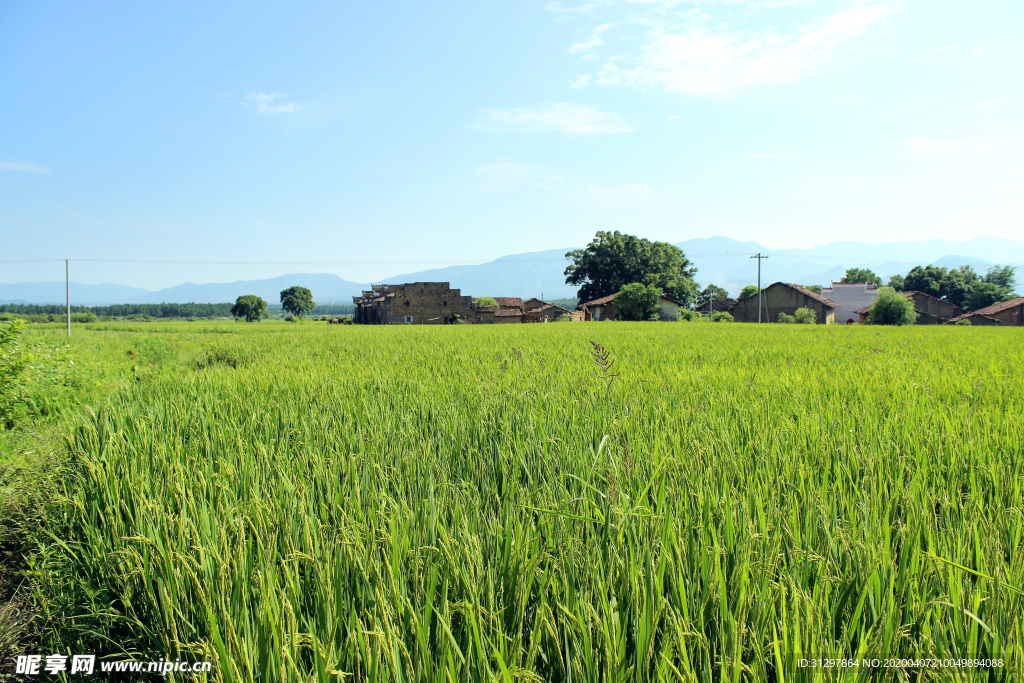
783, 297
1010, 313
416, 303
604, 308
849, 297
537, 311
930, 310
717, 305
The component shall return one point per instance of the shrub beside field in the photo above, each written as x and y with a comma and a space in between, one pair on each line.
474, 503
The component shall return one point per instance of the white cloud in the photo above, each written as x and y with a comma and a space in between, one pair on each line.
22, 166
571, 119
594, 41
673, 117
768, 155
270, 103
927, 146
687, 52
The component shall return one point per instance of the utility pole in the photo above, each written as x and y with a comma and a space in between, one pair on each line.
67, 291
759, 256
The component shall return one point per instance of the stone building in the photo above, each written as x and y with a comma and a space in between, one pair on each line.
416, 303
783, 297
604, 308
930, 310
1008, 313
849, 297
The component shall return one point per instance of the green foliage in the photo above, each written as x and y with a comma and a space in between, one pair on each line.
250, 308
613, 260
861, 275
962, 286
711, 291
896, 283
965, 322
564, 318
804, 316
786, 319
892, 308
748, 291
689, 316
298, 301
637, 302
486, 301
814, 288
12, 363
394, 515
721, 317
56, 313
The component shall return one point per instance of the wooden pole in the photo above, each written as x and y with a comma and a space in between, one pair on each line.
67, 291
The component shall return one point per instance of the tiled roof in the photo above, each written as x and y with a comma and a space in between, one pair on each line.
973, 314
486, 309
509, 301
508, 313
813, 295
600, 302
1000, 307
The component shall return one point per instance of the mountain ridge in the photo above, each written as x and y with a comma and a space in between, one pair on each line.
720, 260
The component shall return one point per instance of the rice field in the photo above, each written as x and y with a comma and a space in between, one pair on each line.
576, 502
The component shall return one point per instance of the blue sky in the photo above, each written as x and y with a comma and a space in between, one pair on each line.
400, 132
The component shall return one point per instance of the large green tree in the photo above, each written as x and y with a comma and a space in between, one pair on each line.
250, 307
297, 300
862, 275
613, 260
960, 286
636, 301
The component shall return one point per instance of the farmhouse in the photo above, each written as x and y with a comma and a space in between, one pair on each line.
930, 310
604, 308
537, 311
717, 305
783, 297
1006, 313
849, 297
419, 303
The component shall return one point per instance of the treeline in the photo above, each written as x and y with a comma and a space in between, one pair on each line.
56, 313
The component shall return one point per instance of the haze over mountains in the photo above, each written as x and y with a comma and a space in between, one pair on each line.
719, 260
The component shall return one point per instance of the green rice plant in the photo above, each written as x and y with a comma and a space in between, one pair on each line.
544, 502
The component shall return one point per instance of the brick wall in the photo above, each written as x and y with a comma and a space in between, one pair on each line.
779, 298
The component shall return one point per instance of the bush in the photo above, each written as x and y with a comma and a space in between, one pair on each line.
564, 318
965, 321
689, 316
721, 317
892, 308
786, 319
805, 316
637, 301
486, 301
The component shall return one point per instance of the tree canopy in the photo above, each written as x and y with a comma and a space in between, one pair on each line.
486, 301
297, 300
712, 291
892, 308
749, 290
613, 260
862, 275
636, 301
250, 307
961, 286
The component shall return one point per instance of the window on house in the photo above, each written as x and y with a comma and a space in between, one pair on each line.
444, 303
408, 318
478, 318
406, 303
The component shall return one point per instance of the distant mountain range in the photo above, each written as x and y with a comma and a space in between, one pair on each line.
719, 260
